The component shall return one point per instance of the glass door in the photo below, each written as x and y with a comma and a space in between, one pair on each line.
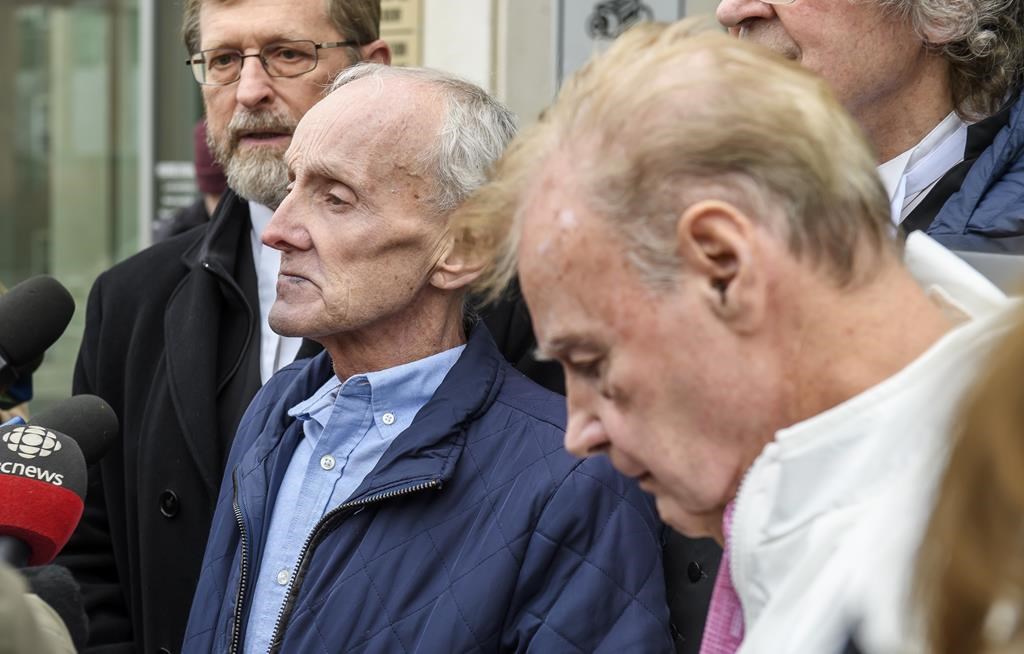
68, 152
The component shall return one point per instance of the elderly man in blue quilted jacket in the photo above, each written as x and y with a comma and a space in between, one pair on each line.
407, 490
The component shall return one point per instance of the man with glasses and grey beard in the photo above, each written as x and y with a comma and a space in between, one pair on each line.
176, 337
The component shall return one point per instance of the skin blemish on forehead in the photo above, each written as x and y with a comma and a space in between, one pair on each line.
544, 246
566, 219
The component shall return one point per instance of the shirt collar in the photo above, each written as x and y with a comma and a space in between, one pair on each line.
891, 172
260, 216
323, 397
907, 176
396, 394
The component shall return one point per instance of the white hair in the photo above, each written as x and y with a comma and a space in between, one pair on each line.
474, 132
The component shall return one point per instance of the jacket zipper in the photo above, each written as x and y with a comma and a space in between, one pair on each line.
237, 627
292, 590
735, 569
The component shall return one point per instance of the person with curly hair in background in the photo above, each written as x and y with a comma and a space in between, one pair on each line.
936, 87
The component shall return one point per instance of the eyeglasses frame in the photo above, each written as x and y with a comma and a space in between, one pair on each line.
317, 47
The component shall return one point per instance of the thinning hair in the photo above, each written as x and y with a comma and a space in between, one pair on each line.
474, 131
355, 20
671, 115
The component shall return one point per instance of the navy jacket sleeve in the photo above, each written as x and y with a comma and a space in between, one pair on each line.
569, 563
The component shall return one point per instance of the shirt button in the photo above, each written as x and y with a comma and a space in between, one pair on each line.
282, 577
695, 572
388, 418
327, 462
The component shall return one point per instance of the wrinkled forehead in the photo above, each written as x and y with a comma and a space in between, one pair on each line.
558, 231
572, 270
380, 123
245, 23
550, 206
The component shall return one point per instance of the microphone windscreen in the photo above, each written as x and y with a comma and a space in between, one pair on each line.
42, 488
87, 418
33, 315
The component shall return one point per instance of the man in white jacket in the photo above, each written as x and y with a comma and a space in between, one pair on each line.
705, 246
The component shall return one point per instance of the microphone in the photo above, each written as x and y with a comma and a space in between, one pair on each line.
42, 493
43, 476
86, 415
33, 315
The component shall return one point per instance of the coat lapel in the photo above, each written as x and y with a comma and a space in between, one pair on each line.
192, 323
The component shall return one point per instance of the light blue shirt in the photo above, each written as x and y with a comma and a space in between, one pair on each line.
347, 428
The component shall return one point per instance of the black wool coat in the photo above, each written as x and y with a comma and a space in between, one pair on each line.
171, 343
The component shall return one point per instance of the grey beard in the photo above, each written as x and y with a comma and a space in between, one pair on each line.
259, 176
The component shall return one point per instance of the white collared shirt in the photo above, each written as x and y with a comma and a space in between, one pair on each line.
276, 351
909, 177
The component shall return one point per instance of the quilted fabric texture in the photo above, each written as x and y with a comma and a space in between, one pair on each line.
504, 542
987, 213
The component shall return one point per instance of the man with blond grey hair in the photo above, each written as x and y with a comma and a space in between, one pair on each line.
704, 245
936, 87
406, 490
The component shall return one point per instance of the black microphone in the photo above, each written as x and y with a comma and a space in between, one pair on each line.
87, 416
33, 315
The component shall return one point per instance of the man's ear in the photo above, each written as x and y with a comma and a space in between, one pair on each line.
377, 51
716, 244
457, 267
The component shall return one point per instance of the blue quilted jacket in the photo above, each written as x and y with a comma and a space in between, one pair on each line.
476, 532
986, 214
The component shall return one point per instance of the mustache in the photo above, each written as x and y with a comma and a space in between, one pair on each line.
262, 121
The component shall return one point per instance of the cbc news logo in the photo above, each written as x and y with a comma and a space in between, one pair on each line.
31, 442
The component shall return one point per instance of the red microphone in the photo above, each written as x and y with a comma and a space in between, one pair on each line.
42, 493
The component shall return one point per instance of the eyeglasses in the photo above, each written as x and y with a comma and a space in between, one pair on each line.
221, 66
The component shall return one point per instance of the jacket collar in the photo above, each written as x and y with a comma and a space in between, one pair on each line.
218, 247
427, 450
193, 320
995, 147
